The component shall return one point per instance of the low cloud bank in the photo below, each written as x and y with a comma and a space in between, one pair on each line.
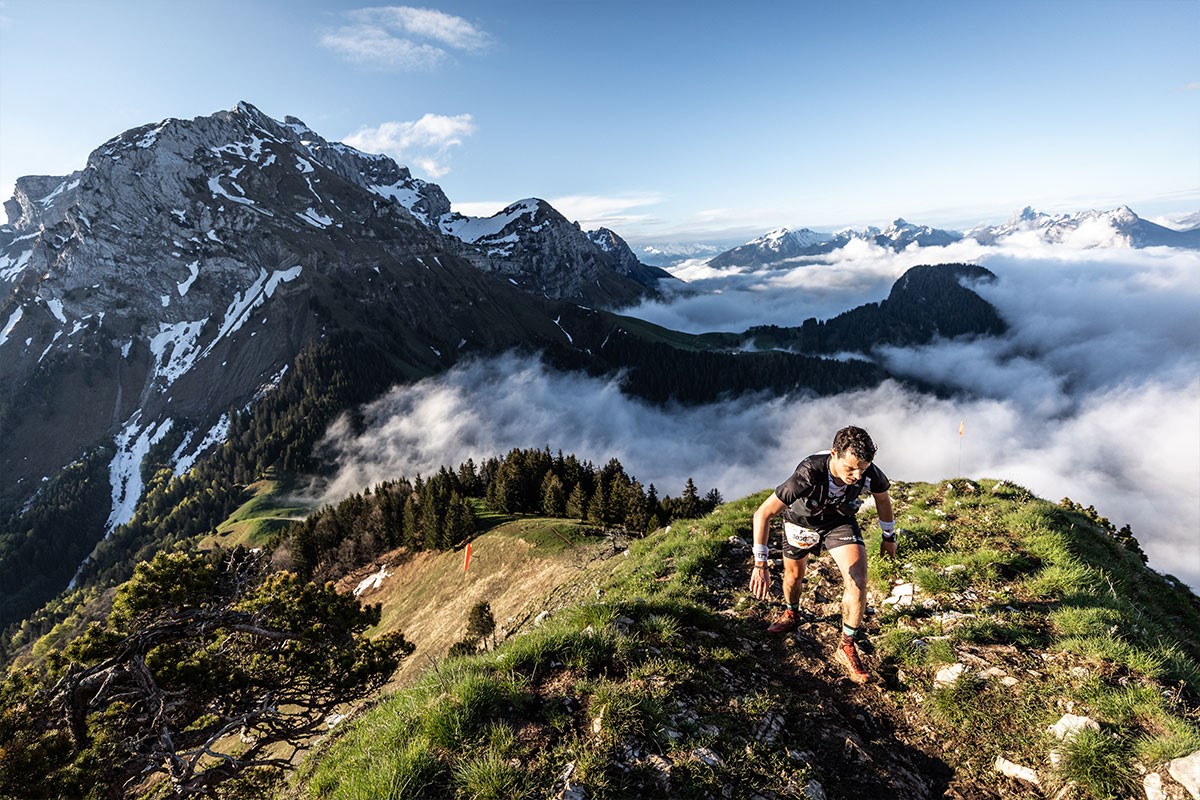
1132, 452
1094, 394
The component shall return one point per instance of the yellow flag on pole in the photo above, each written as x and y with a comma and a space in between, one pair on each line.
960, 427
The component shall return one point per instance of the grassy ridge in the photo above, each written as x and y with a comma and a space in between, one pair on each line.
263, 514
655, 679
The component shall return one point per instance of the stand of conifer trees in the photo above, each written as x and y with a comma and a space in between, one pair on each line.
437, 513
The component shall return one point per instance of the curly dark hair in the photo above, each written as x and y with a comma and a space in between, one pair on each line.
855, 441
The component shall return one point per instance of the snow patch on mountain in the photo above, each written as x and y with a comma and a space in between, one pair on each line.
317, 220
13, 319
56, 308
175, 349
63, 187
472, 229
214, 186
258, 292
11, 266
217, 434
194, 270
125, 470
404, 193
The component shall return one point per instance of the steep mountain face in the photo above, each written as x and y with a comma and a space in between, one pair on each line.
183, 269
1120, 227
536, 248
625, 262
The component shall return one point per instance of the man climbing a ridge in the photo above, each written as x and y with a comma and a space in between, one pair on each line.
818, 503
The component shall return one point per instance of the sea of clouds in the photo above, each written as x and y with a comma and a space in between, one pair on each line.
1094, 393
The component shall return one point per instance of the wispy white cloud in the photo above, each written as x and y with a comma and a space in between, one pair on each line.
403, 37
428, 23
425, 142
1189, 87
609, 211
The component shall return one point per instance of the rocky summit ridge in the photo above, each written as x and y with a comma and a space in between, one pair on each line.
187, 264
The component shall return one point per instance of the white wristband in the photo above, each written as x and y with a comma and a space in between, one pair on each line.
761, 552
889, 530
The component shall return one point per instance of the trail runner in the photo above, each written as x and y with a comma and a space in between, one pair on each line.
818, 503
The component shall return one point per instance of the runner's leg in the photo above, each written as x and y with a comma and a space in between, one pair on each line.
793, 579
852, 561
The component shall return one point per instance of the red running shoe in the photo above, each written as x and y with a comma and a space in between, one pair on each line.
847, 656
788, 621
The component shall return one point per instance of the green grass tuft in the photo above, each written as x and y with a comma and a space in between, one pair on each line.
1099, 763
489, 776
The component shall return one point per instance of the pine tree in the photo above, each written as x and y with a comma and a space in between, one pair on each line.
554, 498
637, 513
597, 509
480, 622
577, 503
690, 506
431, 523
412, 522
460, 521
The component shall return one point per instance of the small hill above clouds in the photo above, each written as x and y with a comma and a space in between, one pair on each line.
1012, 637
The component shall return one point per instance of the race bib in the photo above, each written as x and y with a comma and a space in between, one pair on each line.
800, 537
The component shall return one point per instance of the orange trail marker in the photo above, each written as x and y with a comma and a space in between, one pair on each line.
961, 426
467, 560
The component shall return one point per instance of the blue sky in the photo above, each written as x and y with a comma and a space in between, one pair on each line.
666, 121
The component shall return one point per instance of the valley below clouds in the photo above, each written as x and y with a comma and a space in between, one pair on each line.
1093, 394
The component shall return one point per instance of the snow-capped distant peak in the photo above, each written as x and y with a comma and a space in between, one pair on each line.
782, 237
771, 236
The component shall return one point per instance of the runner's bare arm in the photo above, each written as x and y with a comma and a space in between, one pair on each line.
760, 576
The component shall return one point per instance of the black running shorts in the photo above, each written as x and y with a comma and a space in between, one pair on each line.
799, 542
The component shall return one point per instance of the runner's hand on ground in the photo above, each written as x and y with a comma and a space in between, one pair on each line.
887, 548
